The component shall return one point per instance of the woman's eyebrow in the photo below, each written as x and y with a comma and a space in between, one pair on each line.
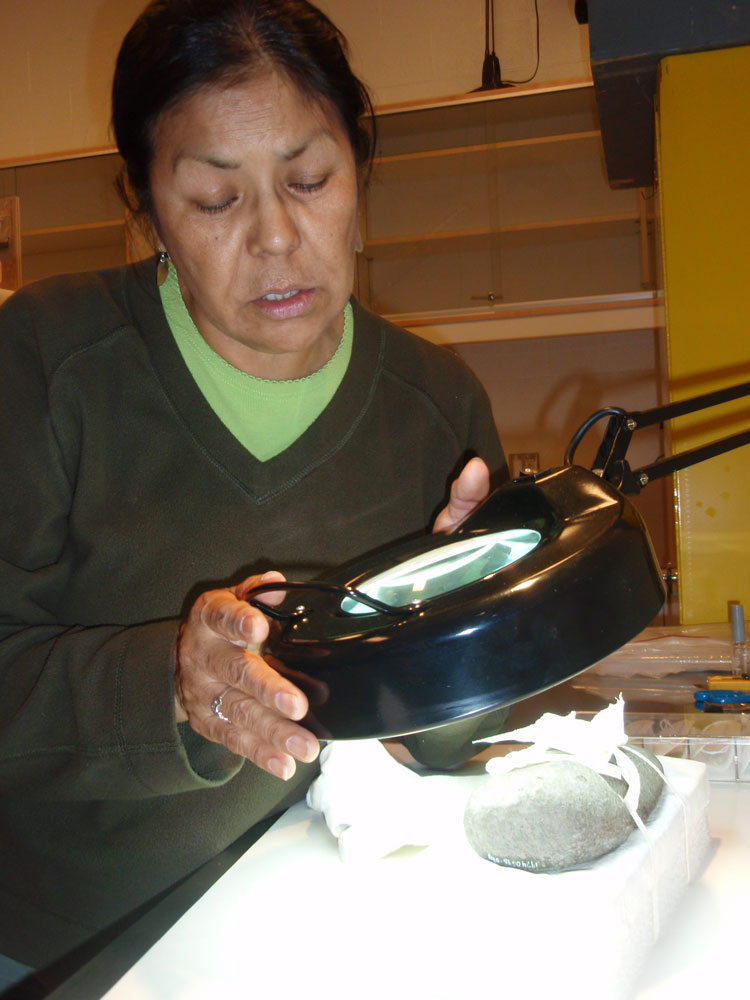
212, 161
320, 133
224, 164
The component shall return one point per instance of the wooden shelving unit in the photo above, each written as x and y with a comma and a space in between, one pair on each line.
487, 207
71, 217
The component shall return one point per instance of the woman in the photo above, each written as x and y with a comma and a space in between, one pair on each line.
175, 432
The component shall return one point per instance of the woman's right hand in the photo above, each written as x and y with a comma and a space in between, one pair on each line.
219, 654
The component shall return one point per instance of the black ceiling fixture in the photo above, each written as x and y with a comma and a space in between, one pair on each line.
491, 73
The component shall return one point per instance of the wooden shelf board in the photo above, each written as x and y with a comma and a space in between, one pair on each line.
110, 232
552, 318
526, 152
525, 233
482, 96
57, 156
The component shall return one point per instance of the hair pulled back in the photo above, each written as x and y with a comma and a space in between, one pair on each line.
177, 47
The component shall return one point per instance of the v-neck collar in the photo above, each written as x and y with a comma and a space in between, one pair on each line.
328, 434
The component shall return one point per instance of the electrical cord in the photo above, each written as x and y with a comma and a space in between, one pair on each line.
610, 411
528, 79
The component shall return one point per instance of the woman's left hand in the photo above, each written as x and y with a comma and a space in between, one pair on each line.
468, 490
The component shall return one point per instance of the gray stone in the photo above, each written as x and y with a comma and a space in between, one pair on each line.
553, 816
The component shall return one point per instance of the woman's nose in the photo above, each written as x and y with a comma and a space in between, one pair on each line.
273, 230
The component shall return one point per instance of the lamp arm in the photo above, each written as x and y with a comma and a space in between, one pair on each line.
647, 418
610, 462
632, 482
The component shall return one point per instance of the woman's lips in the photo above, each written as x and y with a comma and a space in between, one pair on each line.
285, 304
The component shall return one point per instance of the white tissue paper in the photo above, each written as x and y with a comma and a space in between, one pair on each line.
373, 805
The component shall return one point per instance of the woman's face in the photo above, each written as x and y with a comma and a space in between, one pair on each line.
255, 197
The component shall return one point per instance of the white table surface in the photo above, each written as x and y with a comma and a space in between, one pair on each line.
294, 869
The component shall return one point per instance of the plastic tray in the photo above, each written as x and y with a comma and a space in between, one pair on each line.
721, 741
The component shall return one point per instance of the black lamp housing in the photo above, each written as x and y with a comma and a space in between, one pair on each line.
552, 573
587, 582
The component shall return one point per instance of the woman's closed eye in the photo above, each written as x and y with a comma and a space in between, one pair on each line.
216, 209
299, 187
309, 187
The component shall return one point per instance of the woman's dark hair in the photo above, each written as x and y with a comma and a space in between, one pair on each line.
176, 47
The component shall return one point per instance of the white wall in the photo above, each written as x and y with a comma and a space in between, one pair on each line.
56, 72
411, 49
57, 57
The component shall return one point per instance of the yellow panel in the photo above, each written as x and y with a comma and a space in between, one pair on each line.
703, 143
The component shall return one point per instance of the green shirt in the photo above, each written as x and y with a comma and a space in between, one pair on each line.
265, 416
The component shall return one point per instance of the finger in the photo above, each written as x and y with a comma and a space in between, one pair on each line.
252, 676
468, 490
258, 725
231, 618
271, 597
252, 731
244, 744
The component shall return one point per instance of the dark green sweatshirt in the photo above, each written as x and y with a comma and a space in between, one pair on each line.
122, 497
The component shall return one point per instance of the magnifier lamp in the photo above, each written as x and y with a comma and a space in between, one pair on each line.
549, 575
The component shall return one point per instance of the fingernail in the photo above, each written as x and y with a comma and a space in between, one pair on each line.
288, 704
246, 625
281, 768
299, 747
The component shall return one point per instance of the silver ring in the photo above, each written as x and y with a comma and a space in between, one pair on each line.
216, 705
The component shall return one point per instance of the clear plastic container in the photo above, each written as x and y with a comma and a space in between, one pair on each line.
721, 741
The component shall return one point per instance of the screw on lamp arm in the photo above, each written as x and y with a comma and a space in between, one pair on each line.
610, 462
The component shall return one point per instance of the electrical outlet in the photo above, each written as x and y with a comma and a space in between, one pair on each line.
523, 463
